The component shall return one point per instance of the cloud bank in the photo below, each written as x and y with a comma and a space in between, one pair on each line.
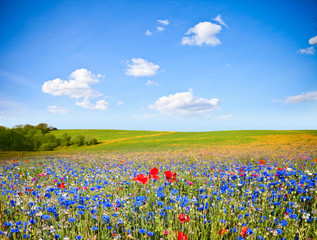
185, 103
304, 97
138, 67
307, 51
203, 33
77, 86
313, 41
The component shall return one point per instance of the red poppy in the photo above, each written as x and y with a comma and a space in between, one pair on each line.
182, 236
171, 177
222, 231
141, 179
262, 162
153, 173
183, 219
62, 185
315, 160
243, 232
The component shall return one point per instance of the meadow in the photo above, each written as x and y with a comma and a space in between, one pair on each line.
164, 185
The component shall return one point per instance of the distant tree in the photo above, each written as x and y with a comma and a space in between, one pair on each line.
43, 127
79, 140
93, 141
65, 140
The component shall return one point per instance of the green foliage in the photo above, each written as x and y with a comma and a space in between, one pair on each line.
33, 138
65, 140
90, 142
79, 140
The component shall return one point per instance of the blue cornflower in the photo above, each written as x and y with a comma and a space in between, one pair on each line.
150, 233
71, 219
57, 236
46, 217
283, 223
174, 191
24, 235
78, 237
141, 230
80, 212
120, 221
94, 228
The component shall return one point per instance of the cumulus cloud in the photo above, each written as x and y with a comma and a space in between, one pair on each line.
57, 109
163, 22
138, 67
203, 33
304, 97
313, 40
160, 29
78, 87
148, 32
219, 20
308, 51
151, 83
185, 103
100, 105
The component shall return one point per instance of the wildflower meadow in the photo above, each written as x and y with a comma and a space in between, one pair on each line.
229, 192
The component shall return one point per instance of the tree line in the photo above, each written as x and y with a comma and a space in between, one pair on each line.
37, 138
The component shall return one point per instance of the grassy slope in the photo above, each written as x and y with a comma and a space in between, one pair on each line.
124, 140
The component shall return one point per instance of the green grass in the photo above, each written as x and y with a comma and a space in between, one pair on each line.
127, 141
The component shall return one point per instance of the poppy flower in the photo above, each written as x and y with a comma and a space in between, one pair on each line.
262, 162
153, 173
222, 231
141, 179
182, 236
243, 232
62, 185
171, 177
183, 219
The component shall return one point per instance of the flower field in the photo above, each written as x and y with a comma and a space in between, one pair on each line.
217, 193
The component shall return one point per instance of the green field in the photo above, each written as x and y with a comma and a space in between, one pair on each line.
128, 141
124, 140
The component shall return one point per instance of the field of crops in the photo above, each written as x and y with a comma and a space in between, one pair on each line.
262, 188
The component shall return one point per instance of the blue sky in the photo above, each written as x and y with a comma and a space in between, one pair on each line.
159, 65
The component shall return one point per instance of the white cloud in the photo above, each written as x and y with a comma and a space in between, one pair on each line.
219, 20
148, 32
304, 97
120, 103
77, 86
151, 83
163, 22
57, 109
313, 40
308, 51
160, 29
141, 68
100, 105
185, 103
203, 33
225, 117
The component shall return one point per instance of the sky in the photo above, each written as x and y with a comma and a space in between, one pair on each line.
159, 65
